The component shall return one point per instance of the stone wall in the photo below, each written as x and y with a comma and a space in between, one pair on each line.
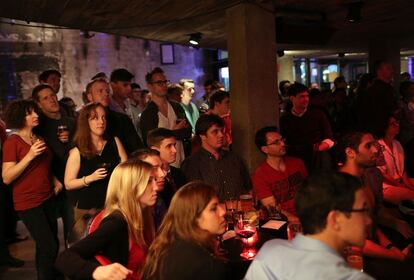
25, 52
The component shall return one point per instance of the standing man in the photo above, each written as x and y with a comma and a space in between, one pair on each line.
118, 124
307, 130
121, 90
160, 112
52, 78
334, 213
57, 129
220, 106
190, 109
379, 103
214, 165
277, 179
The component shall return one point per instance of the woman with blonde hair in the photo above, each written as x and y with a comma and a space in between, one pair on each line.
123, 236
90, 164
186, 246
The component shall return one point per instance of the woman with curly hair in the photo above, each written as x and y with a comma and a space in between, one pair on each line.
186, 246
27, 168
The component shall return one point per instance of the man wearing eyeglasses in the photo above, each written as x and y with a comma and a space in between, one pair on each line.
359, 152
161, 112
278, 177
334, 213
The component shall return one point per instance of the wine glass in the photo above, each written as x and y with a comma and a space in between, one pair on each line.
246, 230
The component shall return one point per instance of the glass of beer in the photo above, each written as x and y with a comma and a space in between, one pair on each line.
246, 202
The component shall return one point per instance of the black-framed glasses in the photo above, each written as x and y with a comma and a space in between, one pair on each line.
366, 210
277, 142
161, 83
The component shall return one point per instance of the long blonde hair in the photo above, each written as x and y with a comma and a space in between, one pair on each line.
127, 183
181, 222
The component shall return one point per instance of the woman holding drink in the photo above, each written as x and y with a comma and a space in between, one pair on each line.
90, 165
27, 168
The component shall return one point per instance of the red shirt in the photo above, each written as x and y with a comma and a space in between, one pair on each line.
33, 186
282, 185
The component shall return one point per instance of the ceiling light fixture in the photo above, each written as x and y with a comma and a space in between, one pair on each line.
195, 38
354, 12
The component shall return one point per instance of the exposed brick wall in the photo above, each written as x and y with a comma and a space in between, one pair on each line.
25, 52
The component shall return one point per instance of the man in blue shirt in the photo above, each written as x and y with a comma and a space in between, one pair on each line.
333, 210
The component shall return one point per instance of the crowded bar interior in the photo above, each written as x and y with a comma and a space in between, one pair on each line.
122, 156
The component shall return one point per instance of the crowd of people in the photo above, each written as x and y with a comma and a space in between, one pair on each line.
140, 177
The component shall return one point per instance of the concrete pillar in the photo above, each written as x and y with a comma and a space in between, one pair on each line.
252, 67
385, 49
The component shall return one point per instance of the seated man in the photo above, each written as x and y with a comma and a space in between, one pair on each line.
215, 166
278, 177
163, 140
359, 153
334, 213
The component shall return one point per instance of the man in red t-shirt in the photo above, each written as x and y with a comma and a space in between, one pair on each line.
278, 177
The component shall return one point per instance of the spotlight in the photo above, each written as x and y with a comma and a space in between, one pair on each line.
195, 38
354, 12
280, 53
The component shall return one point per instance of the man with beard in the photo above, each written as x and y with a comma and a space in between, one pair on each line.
359, 151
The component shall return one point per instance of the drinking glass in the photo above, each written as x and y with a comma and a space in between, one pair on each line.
246, 230
246, 202
61, 129
293, 229
354, 257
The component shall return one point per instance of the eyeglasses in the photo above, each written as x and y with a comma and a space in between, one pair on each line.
365, 210
277, 142
161, 83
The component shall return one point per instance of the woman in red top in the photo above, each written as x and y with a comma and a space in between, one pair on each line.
117, 248
26, 166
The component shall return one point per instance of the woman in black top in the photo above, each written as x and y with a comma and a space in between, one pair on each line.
90, 165
186, 247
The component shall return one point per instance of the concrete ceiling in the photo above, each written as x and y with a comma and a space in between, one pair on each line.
300, 24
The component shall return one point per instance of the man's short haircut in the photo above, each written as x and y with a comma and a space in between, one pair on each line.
45, 75
206, 121
282, 85
39, 88
297, 88
349, 140
142, 154
183, 81
121, 75
91, 83
218, 97
260, 138
156, 136
322, 193
135, 86
208, 82
156, 70
99, 75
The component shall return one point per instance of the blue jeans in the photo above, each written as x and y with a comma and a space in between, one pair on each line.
42, 225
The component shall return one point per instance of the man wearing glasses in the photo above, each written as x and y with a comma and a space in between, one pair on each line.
334, 213
278, 177
160, 112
